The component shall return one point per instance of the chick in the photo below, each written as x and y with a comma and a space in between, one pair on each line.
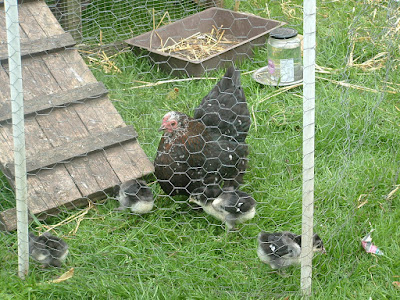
47, 249
227, 205
136, 195
283, 249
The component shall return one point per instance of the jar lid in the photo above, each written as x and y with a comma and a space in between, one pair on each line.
283, 33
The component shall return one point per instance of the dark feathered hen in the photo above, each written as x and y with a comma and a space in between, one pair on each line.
181, 161
207, 149
224, 110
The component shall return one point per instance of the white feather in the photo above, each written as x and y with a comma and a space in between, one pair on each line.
142, 207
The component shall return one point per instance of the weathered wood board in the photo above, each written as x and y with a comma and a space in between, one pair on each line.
77, 144
45, 103
43, 44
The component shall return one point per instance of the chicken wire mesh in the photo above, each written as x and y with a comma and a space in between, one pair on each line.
178, 250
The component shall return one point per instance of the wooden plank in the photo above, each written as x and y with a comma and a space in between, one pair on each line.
39, 30
75, 72
129, 161
78, 65
100, 116
61, 125
4, 86
6, 153
49, 188
92, 173
6, 143
36, 79
8, 218
41, 104
65, 75
29, 24
52, 187
37, 82
69, 70
3, 28
41, 45
81, 147
35, 141
47, 191
45, 18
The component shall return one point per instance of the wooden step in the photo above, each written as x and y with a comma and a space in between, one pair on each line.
61, 99
47, 44
78, 148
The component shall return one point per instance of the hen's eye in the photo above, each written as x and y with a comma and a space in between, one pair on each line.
173, 123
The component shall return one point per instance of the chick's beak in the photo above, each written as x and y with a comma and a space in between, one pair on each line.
323, 250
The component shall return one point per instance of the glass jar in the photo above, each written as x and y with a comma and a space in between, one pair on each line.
284, 57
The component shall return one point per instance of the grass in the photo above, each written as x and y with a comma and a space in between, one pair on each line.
178, 253
114, 18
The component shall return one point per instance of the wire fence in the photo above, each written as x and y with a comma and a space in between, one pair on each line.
107, 88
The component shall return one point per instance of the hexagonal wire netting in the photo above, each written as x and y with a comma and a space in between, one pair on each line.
93, 110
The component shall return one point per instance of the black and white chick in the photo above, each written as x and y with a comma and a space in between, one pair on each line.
225, 204
47, 249
283, 249
135, 195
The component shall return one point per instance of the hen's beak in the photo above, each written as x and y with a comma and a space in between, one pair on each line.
323, 250
162, 128
191, 200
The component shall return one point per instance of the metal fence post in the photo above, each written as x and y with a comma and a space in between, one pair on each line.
309, 31
17, 107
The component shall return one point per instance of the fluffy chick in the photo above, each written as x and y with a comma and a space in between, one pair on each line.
47, 249
227, 205
283, 249
136, 195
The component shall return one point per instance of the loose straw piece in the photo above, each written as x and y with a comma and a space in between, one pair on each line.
71, 218
390, 195
280, 91
180, 42
353, 86
170, 81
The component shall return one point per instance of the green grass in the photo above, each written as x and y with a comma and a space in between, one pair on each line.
178, 253
119, 20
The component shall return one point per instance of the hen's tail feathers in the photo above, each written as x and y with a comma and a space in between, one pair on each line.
231, 79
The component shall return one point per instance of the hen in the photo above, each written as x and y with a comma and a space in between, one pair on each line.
207, 149
180, 164
224, 110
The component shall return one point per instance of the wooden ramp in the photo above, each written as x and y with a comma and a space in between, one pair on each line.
77, 144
